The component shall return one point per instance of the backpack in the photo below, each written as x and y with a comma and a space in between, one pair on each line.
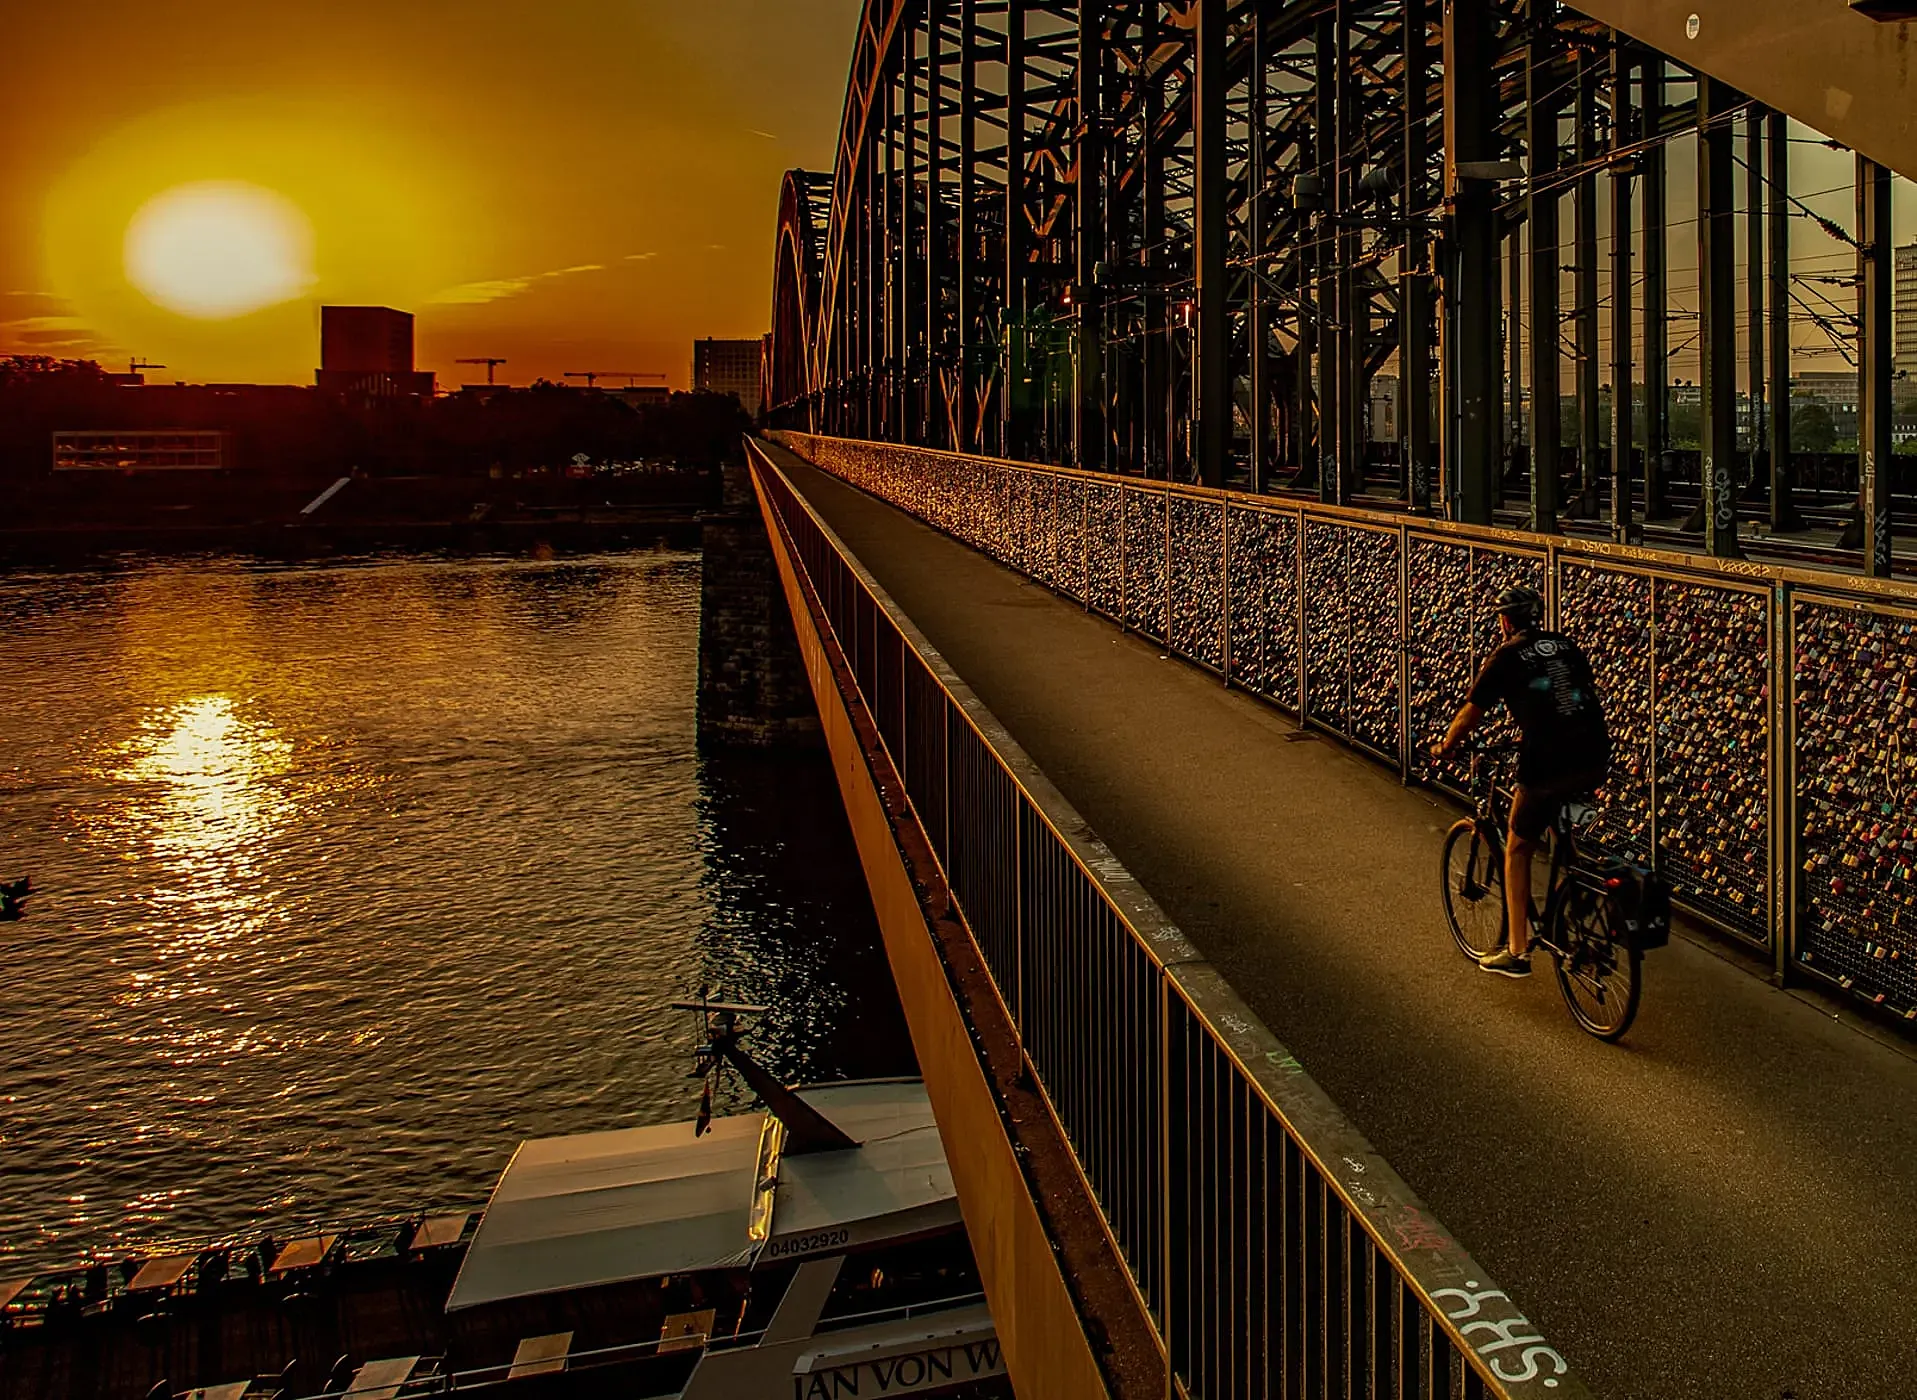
1639, 901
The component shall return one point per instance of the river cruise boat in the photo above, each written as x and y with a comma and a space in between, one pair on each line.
810, 1250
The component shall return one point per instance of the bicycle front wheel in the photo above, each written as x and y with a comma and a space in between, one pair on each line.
1473, 874
1598, 972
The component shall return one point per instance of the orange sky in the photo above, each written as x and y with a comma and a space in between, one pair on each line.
575, 185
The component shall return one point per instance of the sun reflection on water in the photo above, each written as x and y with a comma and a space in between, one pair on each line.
206, 799
211, 773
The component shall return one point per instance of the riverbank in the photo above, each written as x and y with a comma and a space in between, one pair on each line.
71, 518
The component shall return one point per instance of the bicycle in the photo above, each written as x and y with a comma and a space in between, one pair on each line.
1597, 965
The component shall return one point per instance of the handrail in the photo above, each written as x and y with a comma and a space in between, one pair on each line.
1191, 1124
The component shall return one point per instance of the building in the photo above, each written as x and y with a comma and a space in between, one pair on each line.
368, 350
139, 450
728, 367
1904, 309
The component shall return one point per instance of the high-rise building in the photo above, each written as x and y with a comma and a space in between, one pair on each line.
1904, 308
369, 350
728, 367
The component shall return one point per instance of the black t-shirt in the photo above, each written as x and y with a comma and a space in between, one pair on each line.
1547, 682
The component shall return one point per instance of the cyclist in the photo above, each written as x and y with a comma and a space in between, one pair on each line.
1546, 681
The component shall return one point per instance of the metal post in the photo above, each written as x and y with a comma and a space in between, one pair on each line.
1414, 342
1258, 331
930, 388
968, 309
1623, 132
903, 310
1515, 417
1156, 405
1874, 363
1354, 314
1326, 241
1585, 288
1541, 138
1212, 399
1784, 514
1472, 295
1088, 211
1657, 372
1717, 316
1754, 281
1012, 317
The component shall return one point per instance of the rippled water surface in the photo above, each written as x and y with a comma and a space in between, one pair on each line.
354, 875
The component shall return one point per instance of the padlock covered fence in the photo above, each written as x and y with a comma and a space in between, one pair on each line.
1763, 719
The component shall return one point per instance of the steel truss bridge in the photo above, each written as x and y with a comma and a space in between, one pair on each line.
1186, 238
1191, 241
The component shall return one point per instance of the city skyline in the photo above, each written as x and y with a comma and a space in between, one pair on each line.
586, 188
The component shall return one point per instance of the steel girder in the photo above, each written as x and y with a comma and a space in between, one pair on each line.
1204, 239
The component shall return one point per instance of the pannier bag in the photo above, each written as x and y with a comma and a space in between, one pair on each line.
1640, 904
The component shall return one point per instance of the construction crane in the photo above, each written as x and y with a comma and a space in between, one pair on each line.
487, 360
590, 375
136, 365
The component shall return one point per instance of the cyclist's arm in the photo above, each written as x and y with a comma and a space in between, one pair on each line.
1466, 720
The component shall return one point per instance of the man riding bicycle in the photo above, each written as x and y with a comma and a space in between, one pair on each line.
1546, 681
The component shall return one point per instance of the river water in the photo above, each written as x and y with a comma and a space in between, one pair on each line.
354, 875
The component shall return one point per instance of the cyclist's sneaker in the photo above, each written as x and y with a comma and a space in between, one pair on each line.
1506, 963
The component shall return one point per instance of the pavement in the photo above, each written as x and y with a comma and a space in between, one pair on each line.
1724, 1205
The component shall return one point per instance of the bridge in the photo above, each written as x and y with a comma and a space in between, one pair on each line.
1128, 627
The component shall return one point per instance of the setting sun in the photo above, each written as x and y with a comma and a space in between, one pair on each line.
219, 248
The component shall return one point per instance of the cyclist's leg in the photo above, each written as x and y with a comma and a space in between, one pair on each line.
1531, 812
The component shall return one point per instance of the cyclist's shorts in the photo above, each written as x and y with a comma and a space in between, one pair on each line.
1536, 805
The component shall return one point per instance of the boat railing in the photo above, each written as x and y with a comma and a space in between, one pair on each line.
902, 1312
443, 1382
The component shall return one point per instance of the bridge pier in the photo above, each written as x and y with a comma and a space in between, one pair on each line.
753, 691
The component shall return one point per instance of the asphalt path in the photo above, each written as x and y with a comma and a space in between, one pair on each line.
1724, 1205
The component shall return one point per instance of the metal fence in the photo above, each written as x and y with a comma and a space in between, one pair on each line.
1763, 718
1275, 1252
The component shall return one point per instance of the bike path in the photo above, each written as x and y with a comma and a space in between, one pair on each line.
1724, 1205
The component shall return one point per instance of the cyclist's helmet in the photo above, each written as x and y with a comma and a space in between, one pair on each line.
1522, 605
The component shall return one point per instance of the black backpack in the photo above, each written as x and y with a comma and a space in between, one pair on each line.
1640, 903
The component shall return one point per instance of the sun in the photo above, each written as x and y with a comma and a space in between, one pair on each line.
216, 249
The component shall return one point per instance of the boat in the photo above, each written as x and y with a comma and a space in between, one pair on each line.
811, 1249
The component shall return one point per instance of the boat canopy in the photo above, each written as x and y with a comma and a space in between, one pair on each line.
598, 1208
614, 1207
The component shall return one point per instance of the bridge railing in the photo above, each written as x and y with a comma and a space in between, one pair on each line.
1764, 718
1275, 1253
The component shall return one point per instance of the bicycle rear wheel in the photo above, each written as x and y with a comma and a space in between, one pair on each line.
1473, 873
1597, 972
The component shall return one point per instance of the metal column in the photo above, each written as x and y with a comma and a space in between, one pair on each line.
905, 305
1623, 132
1414, 283
1874, 363
1472, 292
1212, 374
1088, 214
932, 415
1328, 241
967, 272
1258, 329
1784, 515
1015, 361
1754, 282
1585, 288
1541, 139
1354, 308
1717, 316
1657, 370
